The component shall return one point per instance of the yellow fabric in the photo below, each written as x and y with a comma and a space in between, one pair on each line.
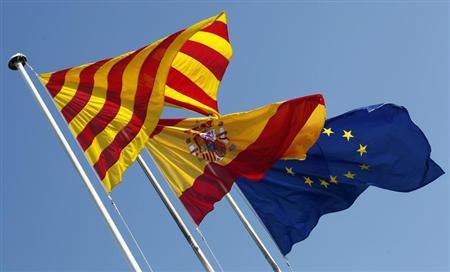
129, 85
68, 90
197, 72
157, 96
215, 42
307, 135
97, 99
181, 168
184, 98
222, 17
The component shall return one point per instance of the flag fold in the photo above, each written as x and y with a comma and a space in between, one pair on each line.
198, 69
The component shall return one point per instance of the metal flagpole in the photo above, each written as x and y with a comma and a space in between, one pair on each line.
253, 234
17, 62
191, 240
250, 229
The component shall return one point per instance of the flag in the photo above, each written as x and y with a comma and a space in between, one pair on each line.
113, 105
378, 145
198, 69
202, 157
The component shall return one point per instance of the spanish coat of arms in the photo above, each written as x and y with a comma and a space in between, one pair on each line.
209, 143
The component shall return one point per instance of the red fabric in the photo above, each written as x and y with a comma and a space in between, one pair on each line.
56, 81
207, 56
147, 74
111, 106
252, 163
84, 91
182, 84
219, 28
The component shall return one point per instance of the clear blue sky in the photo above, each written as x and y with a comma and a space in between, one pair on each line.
355, 54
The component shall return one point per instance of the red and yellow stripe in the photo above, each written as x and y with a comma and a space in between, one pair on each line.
113, 105
260, 137
198, 69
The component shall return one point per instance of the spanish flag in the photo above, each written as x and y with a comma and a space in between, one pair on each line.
113, 105
202, 157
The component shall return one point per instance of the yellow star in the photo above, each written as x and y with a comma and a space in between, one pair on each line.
327, 131
333, 179
290, 171
308, 181
364, 167
347, 135
349, 175
361, 149
324, 183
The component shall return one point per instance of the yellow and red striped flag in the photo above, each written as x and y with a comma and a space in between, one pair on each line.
113, 105
198, 69
202, 157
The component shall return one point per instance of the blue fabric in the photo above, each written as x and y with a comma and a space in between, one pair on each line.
397, 158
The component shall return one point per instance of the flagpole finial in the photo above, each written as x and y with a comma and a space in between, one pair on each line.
19, 57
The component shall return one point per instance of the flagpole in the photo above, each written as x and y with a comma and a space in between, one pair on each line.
253, 233
17, 62
173, 212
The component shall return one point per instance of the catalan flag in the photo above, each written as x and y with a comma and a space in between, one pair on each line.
202, 157
375, 146
113, 105
198, 69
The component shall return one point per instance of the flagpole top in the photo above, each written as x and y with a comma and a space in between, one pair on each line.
19, 57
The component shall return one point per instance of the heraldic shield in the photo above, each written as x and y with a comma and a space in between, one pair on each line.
208, 143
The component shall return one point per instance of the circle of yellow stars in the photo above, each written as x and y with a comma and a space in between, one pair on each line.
325, 183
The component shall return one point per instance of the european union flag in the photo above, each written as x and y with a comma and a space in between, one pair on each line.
378, 145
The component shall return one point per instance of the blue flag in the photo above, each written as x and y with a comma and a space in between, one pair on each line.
378, 145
